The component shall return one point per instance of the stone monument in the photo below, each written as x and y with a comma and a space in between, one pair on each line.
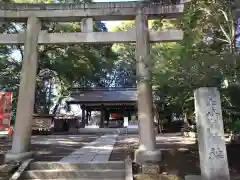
212, 148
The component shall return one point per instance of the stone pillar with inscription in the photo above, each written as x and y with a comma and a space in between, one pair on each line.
26, 97
212, 148
146, 153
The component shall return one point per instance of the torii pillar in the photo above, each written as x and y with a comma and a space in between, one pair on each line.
26, 97
147, 152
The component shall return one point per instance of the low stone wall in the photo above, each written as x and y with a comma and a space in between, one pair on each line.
108, 130
42, 122
71, 125
58, 125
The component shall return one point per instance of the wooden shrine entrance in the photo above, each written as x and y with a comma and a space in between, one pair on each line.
108, 101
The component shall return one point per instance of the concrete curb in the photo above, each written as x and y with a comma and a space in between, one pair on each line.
20, 170
128, 169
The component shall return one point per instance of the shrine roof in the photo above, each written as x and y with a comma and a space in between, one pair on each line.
103, 95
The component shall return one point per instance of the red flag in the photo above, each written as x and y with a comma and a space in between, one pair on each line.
5, 110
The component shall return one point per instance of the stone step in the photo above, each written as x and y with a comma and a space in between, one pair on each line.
61, 173
156, 176
41, 165
84, 179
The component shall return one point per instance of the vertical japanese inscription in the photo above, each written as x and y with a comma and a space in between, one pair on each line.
214, 128
216, 153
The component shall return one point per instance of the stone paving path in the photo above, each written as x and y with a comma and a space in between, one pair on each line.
96, 151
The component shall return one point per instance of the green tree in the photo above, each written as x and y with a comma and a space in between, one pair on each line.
60, 67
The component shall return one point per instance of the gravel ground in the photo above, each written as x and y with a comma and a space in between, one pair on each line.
52, 147
124, 147
179, 154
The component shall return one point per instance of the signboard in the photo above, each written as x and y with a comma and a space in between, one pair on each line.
5, 110
125, 122
115, 116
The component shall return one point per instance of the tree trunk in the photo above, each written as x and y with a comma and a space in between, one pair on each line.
48, 104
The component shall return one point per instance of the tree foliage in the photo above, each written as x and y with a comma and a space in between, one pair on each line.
61, 67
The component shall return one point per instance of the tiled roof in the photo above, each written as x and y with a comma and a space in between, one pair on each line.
104, 95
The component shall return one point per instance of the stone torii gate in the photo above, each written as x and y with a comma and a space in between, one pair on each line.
34, 14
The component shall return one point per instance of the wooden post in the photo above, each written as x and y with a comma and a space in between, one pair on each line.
102, 119
83, 116
90, 115
108, 117
87, 117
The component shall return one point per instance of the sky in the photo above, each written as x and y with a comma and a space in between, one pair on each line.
111, 24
